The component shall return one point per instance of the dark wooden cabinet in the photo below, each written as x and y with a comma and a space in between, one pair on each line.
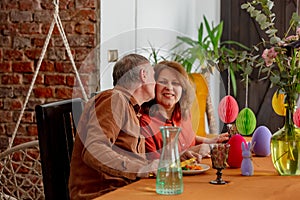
239, 26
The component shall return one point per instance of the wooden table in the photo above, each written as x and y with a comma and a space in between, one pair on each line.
264, 184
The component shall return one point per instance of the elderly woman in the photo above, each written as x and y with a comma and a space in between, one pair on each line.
174, 96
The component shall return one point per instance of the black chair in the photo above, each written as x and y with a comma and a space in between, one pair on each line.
56, 123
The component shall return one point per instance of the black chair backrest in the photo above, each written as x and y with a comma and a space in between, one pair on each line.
56, 123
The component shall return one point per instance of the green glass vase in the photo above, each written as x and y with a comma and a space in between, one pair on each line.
285, 147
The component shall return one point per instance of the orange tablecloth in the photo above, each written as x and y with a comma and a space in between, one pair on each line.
264, 184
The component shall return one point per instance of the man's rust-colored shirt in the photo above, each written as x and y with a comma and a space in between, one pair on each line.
109, 149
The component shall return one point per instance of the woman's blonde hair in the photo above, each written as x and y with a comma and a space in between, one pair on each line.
188, 93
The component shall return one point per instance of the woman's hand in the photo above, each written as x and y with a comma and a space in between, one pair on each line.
219, 139
198, 152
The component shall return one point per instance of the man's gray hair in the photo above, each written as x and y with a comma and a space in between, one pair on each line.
126, 70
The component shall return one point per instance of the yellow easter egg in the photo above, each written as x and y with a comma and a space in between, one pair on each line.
278, 103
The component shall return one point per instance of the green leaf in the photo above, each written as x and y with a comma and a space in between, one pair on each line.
233, 82
244, 6
275, 79
187, 40
200, 34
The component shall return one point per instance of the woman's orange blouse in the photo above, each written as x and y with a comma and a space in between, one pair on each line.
150, 129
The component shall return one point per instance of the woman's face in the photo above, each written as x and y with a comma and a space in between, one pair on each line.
168, 88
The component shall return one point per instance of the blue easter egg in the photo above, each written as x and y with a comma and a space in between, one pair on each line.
261, 140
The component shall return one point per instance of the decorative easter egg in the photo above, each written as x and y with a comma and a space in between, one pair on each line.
278, 103
296, 117
261, 140
235, 151
246, 122
228, 109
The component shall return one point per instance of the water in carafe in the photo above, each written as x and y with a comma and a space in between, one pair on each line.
169, 173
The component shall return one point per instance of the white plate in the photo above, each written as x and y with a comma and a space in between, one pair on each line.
193, 172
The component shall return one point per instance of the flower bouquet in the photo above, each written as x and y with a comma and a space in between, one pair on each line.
281, 65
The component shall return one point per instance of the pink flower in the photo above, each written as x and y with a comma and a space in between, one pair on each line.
298, 31
269, 55
291, 38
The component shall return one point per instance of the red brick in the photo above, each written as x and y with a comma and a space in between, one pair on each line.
20, 16
85, 3
13, 104
6, 116
69, 28
47, 5
33, 54
5, 41
21, 140
32, 130
66, 15
28, 117
11, 79
82, 53
63, 93
45, 29
3, 16
63, 67
42, 92
20, 91
33, 102
23, 67
84, 15
12, 4
5, 67
55, 80
70, 80
81, 41
27, 78
21, 42
2, 130
57, 54
47, 66
28, 5
30, 28
10, 29
10, 54
85, 28
43, 16
39, 42
6, 92
66, 4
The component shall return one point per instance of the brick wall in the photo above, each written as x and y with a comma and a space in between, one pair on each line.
24, 25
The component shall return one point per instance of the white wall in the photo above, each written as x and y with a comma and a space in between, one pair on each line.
131, 25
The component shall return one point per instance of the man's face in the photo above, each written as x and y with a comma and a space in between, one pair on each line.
150, 82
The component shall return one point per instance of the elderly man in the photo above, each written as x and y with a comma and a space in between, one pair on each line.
109, 151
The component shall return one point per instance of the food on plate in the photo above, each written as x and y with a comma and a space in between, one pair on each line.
190, 164
192, 167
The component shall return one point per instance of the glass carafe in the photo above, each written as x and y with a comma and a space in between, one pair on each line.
169, 173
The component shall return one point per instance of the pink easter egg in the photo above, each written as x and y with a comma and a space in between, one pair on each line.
228, 109
296, 117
